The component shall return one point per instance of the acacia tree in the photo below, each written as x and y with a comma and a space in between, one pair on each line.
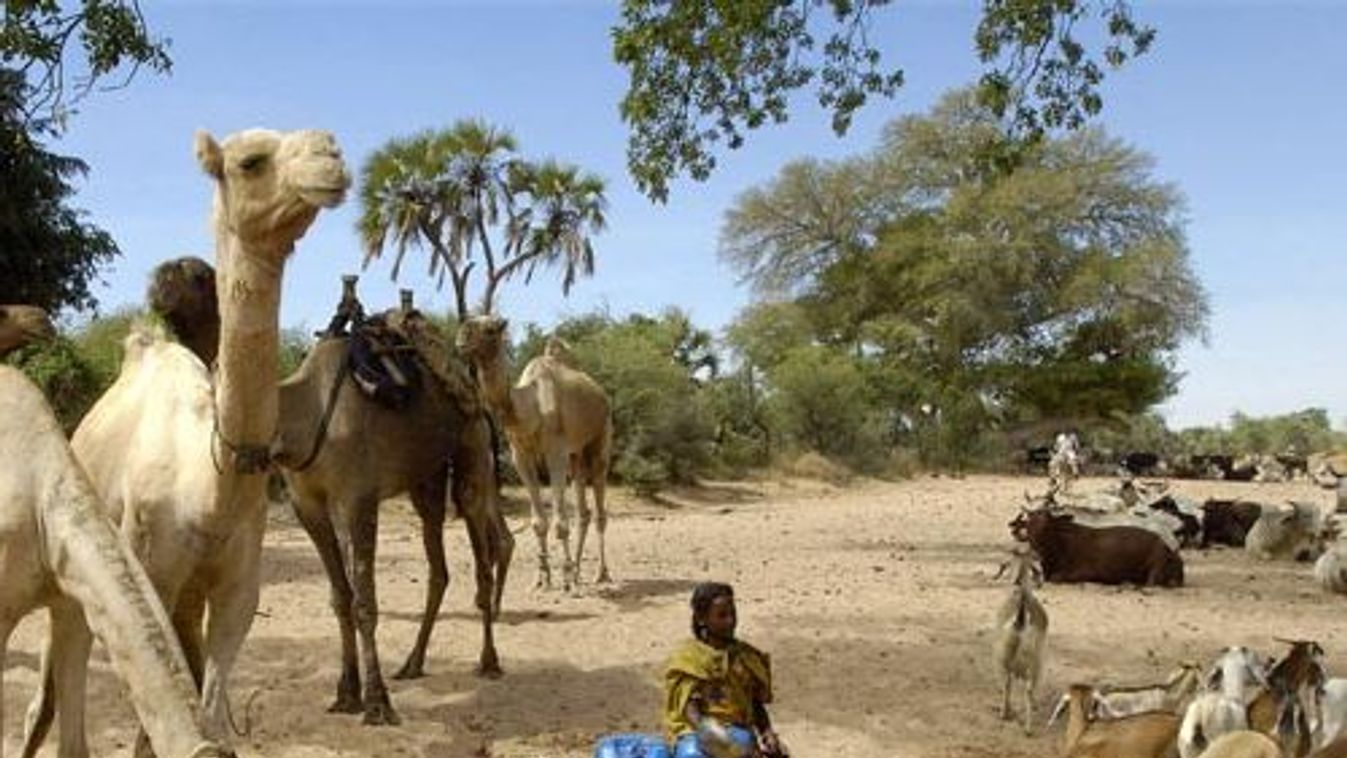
703, 72
1061, 287
467, 197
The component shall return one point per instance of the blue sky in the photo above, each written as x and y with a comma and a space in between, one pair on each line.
1239, 103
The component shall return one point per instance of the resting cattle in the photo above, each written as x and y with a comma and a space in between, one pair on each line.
1227, 522
1074, 553
1292, 532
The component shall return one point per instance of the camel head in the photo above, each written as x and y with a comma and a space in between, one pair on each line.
22, 324
270, 185
482, 338
182, 292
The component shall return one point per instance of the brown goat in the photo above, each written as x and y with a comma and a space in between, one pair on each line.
1143, 735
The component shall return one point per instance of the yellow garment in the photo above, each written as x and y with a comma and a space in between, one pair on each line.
727, 681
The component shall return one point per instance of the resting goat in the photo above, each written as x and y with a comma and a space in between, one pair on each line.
1115, 702
1021, 630
1143, 735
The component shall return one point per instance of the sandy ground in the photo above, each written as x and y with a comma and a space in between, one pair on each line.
875, 601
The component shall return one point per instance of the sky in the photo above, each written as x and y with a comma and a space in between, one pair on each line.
1239, 103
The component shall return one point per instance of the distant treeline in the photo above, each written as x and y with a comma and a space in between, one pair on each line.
688, 406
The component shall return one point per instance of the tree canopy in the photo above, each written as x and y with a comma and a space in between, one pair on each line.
1059, 288
468, 197
704, 72
49, 255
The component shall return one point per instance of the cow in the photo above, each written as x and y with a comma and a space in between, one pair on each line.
1140, 463
1072, 553
1227, 522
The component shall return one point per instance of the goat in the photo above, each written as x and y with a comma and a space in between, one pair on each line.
1209, 716
1243, 744
1142, 735
1290, 701
1114, 702
1021, 630
1333, 711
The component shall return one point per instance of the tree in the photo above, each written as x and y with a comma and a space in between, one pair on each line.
703, 72
465, 195
1060, 288
49, 256
36, 45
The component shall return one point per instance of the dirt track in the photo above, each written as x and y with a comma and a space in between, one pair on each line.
875, 602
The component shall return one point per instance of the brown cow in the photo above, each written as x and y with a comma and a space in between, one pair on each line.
1072, 553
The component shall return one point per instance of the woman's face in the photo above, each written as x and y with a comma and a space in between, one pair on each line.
721, 618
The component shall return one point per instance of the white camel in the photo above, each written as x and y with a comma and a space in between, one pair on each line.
554, 414
178, 452
58, 550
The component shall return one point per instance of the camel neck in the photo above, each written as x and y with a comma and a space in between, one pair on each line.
248, 287
496, 388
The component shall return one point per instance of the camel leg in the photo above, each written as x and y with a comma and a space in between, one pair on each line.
1005, 698
502, 552
582, 512
364, 530
428, 499
474, 490
557, 465
598, 479
523, 464
233, 605
65, 664
1029, 705
318, 524
6, 626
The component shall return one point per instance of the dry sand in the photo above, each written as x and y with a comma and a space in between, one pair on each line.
875, 602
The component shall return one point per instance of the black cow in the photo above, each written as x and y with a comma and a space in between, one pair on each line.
1227, 522
1072, 553
1036, 459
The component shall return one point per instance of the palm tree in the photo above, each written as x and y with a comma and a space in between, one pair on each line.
447, 190
566, 208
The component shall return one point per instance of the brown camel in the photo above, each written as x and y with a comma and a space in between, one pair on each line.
22, 324
342, 454
555, 414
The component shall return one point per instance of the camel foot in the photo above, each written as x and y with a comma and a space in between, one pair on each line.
346, 702
604, 577
379, 712
410, 670
143, 749
489, 669
544, 581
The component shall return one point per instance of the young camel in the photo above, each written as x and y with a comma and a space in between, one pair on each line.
57, 550
556, 414
179, 453
343, 454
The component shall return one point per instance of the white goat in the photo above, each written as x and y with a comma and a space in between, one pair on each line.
1112, 702
1209, 716
1021, 631
1332, 712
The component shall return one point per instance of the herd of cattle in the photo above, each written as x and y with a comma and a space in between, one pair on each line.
1261, 467
1239, 706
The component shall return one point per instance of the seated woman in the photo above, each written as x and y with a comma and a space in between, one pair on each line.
716, 688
